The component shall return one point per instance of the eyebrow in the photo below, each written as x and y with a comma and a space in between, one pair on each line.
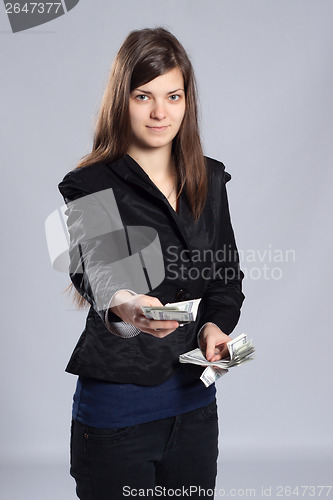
150, 93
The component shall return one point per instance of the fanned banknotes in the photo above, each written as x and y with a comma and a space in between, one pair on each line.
240, 351
184, 312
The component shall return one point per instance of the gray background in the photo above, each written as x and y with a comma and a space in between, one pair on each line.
264, 71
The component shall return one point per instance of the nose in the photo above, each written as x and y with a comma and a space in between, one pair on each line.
158, 111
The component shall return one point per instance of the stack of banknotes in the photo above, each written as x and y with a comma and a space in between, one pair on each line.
184, 312
240, 351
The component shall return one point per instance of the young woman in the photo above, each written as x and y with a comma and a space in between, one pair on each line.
149, 224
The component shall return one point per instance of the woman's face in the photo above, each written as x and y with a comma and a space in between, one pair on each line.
156, 110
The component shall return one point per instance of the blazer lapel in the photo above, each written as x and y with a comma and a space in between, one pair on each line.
181, 220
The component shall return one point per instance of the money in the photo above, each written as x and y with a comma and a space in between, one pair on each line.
240, 351
236, 344
211, 375
184, 312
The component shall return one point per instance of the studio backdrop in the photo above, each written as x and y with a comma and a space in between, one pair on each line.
265, 79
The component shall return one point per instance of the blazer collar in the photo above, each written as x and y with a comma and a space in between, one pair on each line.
182, 219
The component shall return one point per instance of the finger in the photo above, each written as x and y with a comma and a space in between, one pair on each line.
221, 351
160, 333
210, 347
152, 301
155, 324
217, 354
146, 301
224, 351
216, 357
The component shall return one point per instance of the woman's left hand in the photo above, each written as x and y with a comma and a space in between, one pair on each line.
213, 342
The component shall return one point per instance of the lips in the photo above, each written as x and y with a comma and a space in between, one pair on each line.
158, 129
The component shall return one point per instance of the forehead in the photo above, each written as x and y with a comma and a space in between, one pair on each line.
169, 81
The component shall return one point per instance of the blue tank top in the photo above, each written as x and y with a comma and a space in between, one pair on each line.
111, 405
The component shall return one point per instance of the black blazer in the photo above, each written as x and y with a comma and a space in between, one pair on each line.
115, 212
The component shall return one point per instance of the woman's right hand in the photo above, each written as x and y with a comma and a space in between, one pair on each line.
128, 308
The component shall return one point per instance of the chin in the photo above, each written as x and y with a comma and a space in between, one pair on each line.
157, 144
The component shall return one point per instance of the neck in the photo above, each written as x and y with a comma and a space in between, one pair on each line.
157, 163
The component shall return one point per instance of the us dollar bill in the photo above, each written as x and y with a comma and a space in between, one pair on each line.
211, 375
184, 312
240, 351
235, 346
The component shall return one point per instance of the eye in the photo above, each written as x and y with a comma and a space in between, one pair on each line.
142, 97
174, 97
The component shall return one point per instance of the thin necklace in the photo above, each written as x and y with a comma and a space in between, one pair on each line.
173, 187
174, 184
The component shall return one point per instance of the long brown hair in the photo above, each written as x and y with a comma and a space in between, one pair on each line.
144, 55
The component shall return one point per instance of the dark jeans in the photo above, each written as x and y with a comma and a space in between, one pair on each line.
178, 454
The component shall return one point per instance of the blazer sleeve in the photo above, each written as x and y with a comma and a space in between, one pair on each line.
223, 297
100, 263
